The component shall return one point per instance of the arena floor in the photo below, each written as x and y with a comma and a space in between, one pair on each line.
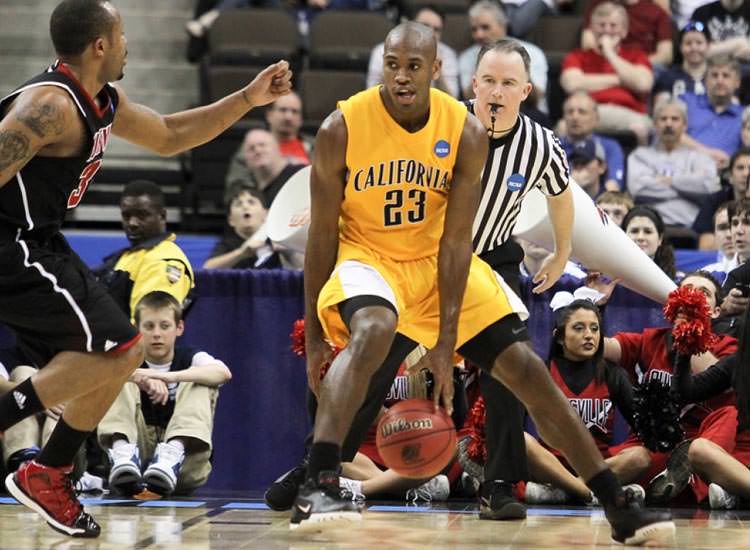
221, 523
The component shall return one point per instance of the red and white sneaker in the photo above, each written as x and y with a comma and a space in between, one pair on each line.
49, 492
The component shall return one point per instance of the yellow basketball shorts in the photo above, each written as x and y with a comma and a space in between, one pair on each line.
412, 288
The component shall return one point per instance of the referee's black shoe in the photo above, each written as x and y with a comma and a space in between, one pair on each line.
636, 526
323, 502
281, 493
496, 501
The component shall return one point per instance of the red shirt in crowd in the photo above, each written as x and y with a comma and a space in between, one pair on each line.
592, 62
648, 24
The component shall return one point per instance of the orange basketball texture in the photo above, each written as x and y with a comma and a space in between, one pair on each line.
414, 440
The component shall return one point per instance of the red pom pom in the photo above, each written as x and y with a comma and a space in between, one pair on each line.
298, 345
298, 337
687, 309
477, 449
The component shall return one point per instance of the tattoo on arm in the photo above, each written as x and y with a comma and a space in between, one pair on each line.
14, 146
42, 118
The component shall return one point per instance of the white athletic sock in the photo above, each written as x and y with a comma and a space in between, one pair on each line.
119, 442
177, 444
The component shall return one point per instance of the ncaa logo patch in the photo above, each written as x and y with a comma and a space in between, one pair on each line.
442, 148
516, 182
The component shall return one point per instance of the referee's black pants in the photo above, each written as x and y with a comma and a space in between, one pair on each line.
504, 423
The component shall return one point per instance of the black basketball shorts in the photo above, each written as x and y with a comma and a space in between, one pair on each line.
53, 303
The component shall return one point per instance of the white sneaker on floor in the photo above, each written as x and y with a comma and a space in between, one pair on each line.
354, 487
720, 499
125, 473
161, 474
90, 484
437, 489
542, 493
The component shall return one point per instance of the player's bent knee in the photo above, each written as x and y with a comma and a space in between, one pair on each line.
518, 367
126, 361
372, 333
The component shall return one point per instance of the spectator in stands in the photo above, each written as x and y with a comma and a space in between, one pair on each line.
523, 14
739, 177
245, 243
534, 257
580, 117
284, 118
645, 227
728, 25
726, 259
649, 30
714, 119
153, 261
688, 77
671, 177
447, 80
588, 165
165, 413
489, 24
261, 165
618, 77
198, 27
737, 284
616, 204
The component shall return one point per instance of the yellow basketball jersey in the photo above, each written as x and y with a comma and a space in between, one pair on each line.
398, 181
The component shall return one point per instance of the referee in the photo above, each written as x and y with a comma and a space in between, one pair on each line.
523, 155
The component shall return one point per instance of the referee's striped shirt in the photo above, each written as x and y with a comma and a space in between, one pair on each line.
529, 155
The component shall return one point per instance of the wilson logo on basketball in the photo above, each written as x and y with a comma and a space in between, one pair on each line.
402, 425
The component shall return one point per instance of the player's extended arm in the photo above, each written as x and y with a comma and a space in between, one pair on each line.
327, 181
170, 134
39, 118
561, 212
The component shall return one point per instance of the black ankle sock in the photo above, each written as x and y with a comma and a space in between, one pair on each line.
19, 403
606, 487
323, 456
62, 446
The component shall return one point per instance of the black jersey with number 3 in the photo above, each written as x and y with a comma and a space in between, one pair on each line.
39, 195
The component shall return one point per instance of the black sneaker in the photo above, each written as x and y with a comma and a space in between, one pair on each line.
635, 526
496, 502
672, 481
281, 493
322, 502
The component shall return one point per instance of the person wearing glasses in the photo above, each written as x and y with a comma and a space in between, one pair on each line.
688, 76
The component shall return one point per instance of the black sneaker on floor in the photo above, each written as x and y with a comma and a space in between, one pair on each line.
672, 481
323, 502
281, 493
496, 502
636, 526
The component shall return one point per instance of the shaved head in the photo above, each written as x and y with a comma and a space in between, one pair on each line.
415, 37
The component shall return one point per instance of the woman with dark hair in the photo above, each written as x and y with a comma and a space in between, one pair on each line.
594, 387
645, 227
726, 473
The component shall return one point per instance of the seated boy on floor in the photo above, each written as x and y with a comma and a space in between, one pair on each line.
163, 417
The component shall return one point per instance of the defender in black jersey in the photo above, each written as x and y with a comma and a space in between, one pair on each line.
54, 130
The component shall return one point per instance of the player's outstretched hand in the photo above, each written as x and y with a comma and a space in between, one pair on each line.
551, 270
273, 82
439, 361
318, 353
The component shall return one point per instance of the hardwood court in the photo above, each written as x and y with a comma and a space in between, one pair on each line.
219, 524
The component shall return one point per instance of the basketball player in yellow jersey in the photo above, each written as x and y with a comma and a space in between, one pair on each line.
395, 186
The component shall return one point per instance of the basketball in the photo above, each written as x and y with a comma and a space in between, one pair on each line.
414, 440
